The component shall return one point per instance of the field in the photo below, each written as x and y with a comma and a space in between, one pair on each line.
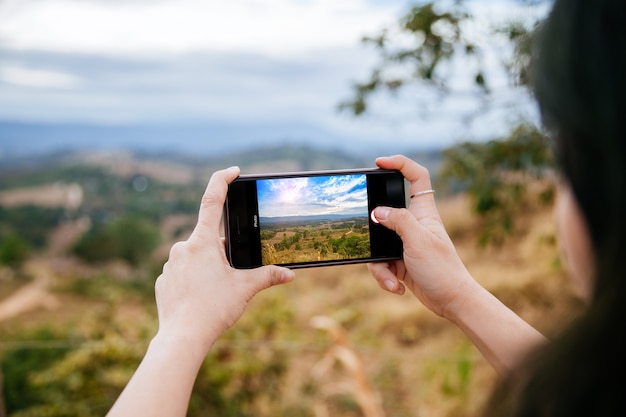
315, 240
329, 344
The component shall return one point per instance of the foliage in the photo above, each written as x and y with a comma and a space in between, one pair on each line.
352, 246
13, 250
86, 381
23, 229
129, 238
31, 223
420, 50
18, 364
245, 373
430, 36
81, 370
521, 36
104, 287
497, 174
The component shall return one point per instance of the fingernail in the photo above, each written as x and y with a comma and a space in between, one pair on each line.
287, 275
389, 284
382, 213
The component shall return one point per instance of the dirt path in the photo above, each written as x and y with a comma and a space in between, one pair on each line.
31, 296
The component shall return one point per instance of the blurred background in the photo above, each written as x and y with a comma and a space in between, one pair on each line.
114, 114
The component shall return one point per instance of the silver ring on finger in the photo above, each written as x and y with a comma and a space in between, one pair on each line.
422, 193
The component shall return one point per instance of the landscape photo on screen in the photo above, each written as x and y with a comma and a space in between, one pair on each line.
317, 218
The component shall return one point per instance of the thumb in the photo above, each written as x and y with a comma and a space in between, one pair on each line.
269, 276
400, 220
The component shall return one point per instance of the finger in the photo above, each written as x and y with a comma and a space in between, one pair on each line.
212, 204
386, 278
268, 276
401, 221
422, 206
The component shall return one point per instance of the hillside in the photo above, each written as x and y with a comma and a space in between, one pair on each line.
72, 328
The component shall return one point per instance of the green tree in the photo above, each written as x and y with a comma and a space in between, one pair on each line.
129, 238
497, 174
494, 172
13, 250
32, 224
435, 36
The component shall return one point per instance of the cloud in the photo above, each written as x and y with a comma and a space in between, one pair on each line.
249, 69
29, 77
276, 27
345, 194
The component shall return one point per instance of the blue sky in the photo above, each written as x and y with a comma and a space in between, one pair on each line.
345, 194
261, 69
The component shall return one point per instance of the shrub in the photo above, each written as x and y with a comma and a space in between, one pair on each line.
129, 238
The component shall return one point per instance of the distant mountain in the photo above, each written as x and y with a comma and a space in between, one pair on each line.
202, 147
309, 219
21, 138
196, 139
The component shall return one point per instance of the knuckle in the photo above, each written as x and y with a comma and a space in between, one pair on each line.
423, 172
210, 199
402, 215
158, 283
178, 250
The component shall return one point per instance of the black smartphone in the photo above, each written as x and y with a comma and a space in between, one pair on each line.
307, 219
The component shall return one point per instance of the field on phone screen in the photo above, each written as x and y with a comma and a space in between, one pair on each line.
315, 240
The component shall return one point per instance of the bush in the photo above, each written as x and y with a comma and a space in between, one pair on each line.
31, 223
13, 250
129, 238
19, 364
496, 174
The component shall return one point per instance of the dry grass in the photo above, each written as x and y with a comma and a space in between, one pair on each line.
435, 370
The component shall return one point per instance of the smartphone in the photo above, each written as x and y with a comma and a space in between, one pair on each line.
307, 219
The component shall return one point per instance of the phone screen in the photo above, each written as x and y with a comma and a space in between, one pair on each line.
311, 219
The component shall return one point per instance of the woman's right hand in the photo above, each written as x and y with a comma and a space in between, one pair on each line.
431, 268
433, 271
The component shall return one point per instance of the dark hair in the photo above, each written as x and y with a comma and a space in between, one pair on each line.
579, 79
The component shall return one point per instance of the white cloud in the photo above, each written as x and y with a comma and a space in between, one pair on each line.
30, 77
280, 65
262, 26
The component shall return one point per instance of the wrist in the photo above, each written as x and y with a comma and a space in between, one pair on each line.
172, 345
468, 295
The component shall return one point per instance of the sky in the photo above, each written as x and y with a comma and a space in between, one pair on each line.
306, 196
257, 70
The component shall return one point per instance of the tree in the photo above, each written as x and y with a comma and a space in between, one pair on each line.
13, 250
497, 173
421, 50
129, 238
434, 35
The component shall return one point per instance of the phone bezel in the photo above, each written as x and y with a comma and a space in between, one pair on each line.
243, 246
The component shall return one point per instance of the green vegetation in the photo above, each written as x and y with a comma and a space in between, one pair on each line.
13, 250
494, 173
315, 241
129, 238
497, 176
23, 229
18, 364
32, 223
81, 371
